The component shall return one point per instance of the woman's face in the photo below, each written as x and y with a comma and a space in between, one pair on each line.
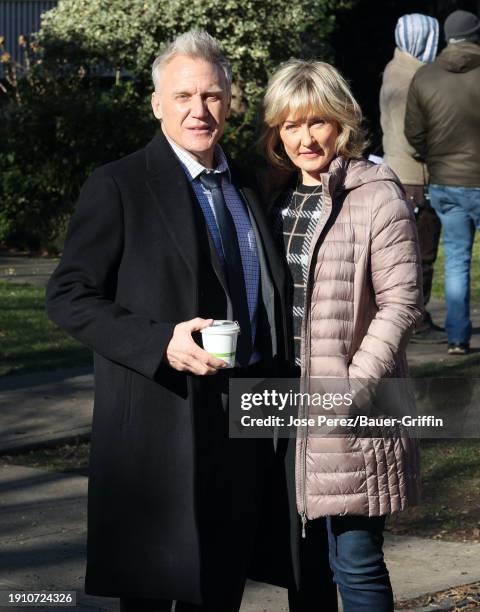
310, 144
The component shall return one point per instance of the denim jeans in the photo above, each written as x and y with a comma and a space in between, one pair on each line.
354, 545
459, 212
356, 558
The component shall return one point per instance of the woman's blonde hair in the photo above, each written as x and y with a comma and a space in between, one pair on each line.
302, 88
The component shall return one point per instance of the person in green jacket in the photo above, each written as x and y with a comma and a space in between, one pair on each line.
442, 123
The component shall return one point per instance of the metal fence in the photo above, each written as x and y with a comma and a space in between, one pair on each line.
19, 17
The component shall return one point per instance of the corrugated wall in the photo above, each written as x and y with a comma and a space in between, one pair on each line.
20, 17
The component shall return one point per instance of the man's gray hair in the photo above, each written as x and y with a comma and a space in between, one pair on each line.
195, 43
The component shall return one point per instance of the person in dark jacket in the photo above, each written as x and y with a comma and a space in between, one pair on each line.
162, 242
442, 123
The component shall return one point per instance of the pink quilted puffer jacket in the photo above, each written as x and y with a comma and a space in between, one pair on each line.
363, 297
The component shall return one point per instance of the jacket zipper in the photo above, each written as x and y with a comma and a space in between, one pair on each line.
306, 367
303, 414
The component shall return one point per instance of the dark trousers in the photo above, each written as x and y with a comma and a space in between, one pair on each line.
317, 590
428, 228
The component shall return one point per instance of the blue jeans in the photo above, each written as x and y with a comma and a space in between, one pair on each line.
459, 212
356, 557
354, 545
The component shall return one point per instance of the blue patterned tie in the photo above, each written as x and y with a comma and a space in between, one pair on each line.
233, 261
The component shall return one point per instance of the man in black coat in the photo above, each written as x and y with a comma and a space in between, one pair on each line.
150, 259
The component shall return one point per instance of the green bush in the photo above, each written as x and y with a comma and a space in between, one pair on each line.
56, 127
255, 34
82, 96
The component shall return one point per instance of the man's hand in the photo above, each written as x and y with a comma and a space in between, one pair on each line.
184, 355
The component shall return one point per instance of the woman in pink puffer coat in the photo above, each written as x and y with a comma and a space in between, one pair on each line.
351, 247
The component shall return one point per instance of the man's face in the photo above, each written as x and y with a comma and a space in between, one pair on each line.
192, 104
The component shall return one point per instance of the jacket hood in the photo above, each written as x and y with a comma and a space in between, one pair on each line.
418, 35
348, 174
460, 57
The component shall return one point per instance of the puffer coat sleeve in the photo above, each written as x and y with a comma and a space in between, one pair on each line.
397, 285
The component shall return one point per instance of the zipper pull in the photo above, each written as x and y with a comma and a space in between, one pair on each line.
304, 525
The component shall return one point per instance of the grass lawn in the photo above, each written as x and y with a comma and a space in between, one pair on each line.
28, 340
450, 507
450, 469
439, 275
64, 458
461, 367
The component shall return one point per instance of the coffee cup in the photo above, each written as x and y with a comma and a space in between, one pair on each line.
220, 340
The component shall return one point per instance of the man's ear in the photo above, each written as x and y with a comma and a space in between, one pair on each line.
229, 107
157, 105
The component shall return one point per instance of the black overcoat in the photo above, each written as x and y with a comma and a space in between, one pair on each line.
137, 261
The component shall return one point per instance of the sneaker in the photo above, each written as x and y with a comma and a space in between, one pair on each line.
429, 335
458, 348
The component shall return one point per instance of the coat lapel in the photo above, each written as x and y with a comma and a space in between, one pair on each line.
179, 209
172, 193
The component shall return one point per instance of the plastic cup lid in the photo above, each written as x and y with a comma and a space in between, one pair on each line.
222, 327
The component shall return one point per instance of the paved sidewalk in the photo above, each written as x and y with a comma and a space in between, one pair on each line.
45, 408
42, 522
418, 354
25, 269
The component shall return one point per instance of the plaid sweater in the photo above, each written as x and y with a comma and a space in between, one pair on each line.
296, 222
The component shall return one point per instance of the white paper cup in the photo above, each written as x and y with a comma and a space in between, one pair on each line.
220, 340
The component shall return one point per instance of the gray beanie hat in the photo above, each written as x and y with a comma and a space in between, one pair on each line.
462, 25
